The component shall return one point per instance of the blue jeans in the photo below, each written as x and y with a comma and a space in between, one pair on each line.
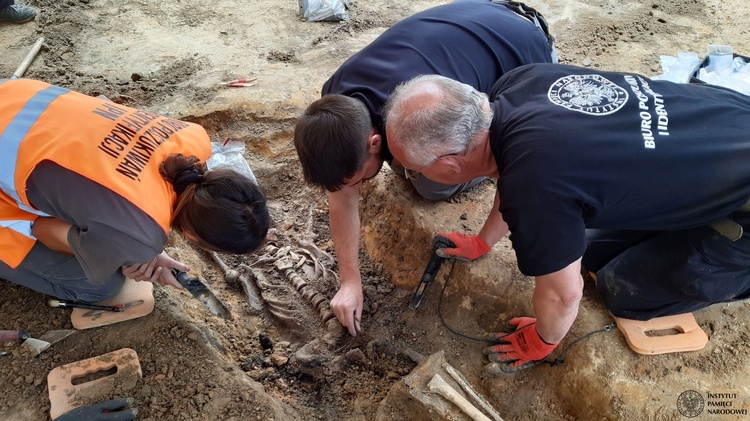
60, 275
642, 275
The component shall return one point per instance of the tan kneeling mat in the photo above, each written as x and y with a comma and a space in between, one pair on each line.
64, 395
689, 336
136, 297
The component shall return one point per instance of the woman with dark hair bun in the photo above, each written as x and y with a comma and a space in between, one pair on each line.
89, 190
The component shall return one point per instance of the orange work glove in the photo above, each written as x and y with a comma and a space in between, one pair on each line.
468, 247
521, 348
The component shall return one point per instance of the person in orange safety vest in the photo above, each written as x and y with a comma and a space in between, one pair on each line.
89, 190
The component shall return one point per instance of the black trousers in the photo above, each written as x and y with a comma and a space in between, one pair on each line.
6, 3
642, 275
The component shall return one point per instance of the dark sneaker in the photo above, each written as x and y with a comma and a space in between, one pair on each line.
17, 13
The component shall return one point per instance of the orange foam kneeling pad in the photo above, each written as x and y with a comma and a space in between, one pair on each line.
131, 292
689, 336
64, 395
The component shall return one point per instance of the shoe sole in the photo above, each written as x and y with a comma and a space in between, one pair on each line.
18, 21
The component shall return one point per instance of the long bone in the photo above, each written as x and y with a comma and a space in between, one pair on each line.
471, 392
439, 386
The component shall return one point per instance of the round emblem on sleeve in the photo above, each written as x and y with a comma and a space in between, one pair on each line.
690, 403
588, 94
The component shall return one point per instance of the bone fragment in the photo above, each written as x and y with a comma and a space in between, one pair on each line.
230, 275
476, 397
252, 293
439, 386
321, 255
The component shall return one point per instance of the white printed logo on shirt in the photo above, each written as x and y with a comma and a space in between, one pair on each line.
588, 94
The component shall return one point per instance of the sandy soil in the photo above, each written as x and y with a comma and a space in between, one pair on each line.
281, 357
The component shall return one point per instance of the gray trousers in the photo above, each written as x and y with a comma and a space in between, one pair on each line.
432, 190
60, 275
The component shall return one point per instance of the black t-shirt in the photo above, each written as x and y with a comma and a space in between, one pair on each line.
577, 149
108, 231
472, 41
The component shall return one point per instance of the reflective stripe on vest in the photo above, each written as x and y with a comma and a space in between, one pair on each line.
21, 227
115, 146
14, 133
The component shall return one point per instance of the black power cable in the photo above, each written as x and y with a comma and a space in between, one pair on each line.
557, 361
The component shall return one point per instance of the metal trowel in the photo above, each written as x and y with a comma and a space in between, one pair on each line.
199, 290
35, 346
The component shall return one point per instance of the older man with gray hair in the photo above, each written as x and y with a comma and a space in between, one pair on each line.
644, 183
340, 138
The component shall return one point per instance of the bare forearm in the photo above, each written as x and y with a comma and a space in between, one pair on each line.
53, 233
344, 223
494, 228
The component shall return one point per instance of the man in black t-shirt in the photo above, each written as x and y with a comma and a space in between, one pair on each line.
642, 182
340, 138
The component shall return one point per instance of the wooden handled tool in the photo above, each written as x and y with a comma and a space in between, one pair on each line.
29, 58
12, 335
442, 388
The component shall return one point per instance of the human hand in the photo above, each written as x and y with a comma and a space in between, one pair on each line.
157, 270
468, 247
113, 410
347, 306
522, 348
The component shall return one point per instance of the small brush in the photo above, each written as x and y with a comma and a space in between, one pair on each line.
74, 304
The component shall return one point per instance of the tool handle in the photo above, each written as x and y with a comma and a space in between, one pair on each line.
29, 58
12, 335
441, 242
181, 277
433, 266
74, 304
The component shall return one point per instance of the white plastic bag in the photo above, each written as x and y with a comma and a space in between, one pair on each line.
231, 155
323, 10
678, 69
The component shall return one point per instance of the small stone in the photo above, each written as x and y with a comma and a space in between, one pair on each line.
193, 336
464, 216
252, 363
279, 360
256, 374
356, 356
29, 378
265, 341
587, 62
